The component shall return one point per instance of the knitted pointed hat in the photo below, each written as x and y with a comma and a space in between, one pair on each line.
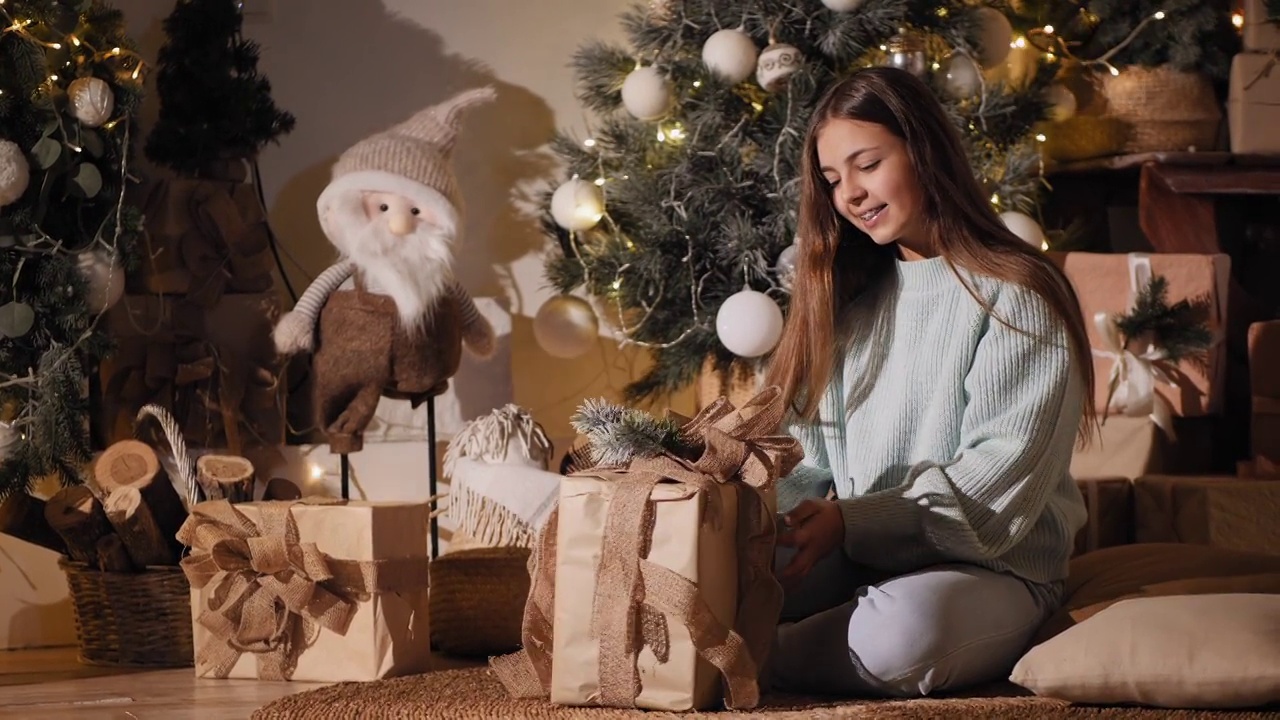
419, 149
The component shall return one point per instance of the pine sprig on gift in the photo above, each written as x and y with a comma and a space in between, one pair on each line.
1180, 330
618, 434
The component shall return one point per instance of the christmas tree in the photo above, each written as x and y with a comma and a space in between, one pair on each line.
685, 193
70, 83
214, 106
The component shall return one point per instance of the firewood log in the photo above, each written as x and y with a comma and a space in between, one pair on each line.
133, 463
138, 529
112, 556
231, 473
22, 516
77, 516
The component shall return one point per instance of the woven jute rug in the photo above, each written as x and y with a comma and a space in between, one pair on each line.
474, 694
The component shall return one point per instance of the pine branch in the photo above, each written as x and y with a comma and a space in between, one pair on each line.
618, 435
1180, 330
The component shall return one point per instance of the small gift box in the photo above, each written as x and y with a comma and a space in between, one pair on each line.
1264, 381
1223, 512
1253, 104
1137, 378
654, 582
315, 590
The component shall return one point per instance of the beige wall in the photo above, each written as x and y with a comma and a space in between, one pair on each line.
346, 69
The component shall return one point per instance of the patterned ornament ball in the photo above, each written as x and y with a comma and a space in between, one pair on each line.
15, 172
749, 324
91, 100
842, 5
105, 278
731, 55
785, 265
577, 205
776, 64
646, 94
566, 327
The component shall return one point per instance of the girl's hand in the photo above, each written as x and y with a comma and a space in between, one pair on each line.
815, 528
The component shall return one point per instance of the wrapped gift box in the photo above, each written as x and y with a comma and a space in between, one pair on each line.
1110, 504
1220, 511
1264, 382
1106, 284
1260, 34
320, 590
652, 585
1253, 104
215, 369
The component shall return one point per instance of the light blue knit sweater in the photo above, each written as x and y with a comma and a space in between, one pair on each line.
947, 434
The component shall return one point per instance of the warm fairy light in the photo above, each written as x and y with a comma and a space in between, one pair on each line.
697, 83
75, 41
589, 142
317, 472
1159, 15
1048, 29
1020, 43
995, 199
1040, 137
1044, 245
115, 51
53, 78
1237, 19
599, 182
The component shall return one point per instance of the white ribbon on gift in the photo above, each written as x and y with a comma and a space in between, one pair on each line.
1134, 375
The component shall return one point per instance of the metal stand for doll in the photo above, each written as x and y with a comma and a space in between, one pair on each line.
432, 479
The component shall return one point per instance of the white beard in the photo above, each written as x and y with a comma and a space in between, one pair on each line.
414, 270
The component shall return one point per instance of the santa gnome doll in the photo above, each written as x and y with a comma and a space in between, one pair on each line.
389, 318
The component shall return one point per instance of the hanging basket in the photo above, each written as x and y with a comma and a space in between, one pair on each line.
1166, 110
137, 619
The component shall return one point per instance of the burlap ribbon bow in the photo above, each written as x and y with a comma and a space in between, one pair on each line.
272, 593
634, 597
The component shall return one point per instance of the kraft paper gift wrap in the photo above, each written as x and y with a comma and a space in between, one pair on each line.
315, 590
653, 584
1106, 285
1253, 103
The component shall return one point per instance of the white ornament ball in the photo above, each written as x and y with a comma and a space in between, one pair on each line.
1062, 102
566, 327
577, 205
105, 279
963, 77
749, 323
842, 5
646, 94
995, 36
15, 172
776, 64
91, 100
1025, 227
785, 266
731, 55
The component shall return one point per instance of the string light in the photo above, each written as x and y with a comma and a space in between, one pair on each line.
1237, 19
589, 142
1040, 137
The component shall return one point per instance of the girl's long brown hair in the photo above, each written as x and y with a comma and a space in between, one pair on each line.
837, 262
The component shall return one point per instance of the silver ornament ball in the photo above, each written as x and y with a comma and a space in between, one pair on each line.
91, 100
566, 327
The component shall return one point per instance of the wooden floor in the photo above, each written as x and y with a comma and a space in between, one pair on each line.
47, 684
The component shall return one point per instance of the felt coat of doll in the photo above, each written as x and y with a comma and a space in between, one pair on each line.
389, 318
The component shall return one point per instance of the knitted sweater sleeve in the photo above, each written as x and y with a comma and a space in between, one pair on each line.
1023, 398
812, 476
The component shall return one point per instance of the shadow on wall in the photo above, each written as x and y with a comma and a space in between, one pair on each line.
379, 70
351, 79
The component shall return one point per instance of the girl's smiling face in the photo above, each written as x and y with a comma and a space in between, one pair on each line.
872, 182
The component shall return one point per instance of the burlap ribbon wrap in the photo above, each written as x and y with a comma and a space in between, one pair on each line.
272, 593
634, 598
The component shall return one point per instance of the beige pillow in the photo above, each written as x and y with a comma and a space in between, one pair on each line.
1184, 651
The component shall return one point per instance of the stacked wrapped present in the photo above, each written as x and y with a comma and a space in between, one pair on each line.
1157, 327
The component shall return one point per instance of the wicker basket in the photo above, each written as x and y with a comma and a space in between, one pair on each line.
1166, 110
131, 619
477, 600
137, 619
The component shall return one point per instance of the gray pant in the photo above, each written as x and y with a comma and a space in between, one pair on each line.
938, 629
